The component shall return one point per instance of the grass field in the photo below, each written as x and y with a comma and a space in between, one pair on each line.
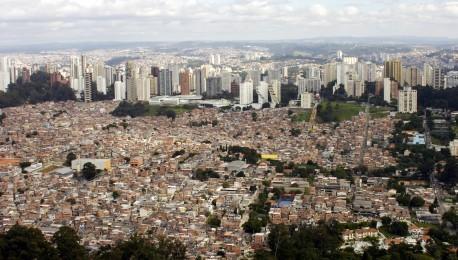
301, 117
345, 111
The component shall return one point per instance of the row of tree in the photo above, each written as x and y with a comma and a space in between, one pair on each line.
22, 242
36, 91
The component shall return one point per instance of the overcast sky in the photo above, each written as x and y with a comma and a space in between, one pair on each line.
38, 21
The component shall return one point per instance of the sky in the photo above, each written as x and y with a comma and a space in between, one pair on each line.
40, 21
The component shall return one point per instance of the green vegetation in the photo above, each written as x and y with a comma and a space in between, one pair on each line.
213, 221
37, 91
140, 109
89, 171
258, 214
438, 98
68, 160
301, 117
449, 174
332, 111
251, 156
29, 243
204, 175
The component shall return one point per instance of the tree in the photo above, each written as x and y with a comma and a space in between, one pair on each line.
254, 116
116, 194
265, 105
70, 157
450, 174
399, 228
67, 244
213, 221
417, 202
89, 171
240, 174
386, 221
25, 243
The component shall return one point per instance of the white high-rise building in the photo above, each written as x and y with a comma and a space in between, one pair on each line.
246, 93
211, 59
427, 75
101, 85
306, 100
451, 79
218, 59
5, 77
226, 80
407, 100
387, 90
308, 85
263, 92
120, 90
339, 55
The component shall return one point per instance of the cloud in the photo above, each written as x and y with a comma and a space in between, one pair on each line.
107, 20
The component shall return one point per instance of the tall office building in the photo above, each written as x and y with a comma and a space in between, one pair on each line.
165, 82
246, 93
5, 78
131, 81
407, 100
199, 81
255, 76
306, 100
438, 78
88, 87
263, 92
101, 84
226, 78
185, 82
275, 91
393, 70
218, 59
214, 86
308, 85
411, 77
387, 90
235, 89
451, 79
120, 90
427, 75
329, 73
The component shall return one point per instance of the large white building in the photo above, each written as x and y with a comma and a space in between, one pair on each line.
387, 90
308, 85
5, 78
451, 79
454, 148
306, 100
120, 90
246, 93
263, 92
407, 100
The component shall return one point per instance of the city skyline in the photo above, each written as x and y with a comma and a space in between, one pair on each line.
228, 20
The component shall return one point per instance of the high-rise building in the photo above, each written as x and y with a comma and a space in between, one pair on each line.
407, 100
427, 75
214, 86
5, 77
165, 82
411, 76
308, 85
226, 79
131, 81
387, 90
263, 92
255, 76
438, 78
88, 87
199, 81
246, 93
329, 73
235, 89
120, 90
393, 70
275, 91
306, 100
218, 59
451, 79
185, 82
